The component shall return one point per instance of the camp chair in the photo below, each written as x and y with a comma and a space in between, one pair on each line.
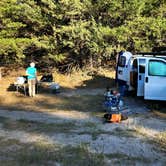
20, 83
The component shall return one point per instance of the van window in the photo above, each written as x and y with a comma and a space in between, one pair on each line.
122, 61
141, 69
135, 64
157, 68
142, 65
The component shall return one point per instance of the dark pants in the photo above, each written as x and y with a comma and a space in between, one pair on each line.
123, 87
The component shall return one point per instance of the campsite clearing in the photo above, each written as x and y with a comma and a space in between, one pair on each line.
67, 129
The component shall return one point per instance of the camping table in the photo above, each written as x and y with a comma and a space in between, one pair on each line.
21, 86
24, 87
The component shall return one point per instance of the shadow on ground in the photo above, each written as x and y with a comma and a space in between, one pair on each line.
98, 81
80, 98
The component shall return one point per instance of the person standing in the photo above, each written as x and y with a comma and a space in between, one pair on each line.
31, 73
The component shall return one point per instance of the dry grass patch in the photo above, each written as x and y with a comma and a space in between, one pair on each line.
123, 159
37, 127
150, 136
86, 78
160, 140
42, 153
47, 103
74, 156
7, 142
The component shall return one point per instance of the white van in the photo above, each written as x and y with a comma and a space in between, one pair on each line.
145, 73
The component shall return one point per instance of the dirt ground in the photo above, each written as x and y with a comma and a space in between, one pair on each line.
67, 129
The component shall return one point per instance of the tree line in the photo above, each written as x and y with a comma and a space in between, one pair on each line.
75, 33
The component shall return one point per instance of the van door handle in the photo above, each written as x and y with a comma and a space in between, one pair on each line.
140, 77
120, 72
146, 79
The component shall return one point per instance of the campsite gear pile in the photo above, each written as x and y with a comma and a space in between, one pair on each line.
112, 105
112, 102
47, 78
48, 81
54, 88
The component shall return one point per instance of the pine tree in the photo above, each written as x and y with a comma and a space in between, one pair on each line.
67, 33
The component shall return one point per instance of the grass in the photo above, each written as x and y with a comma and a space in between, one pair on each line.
48, 103
7, 142
74, 156
9, 147
124, 132
91, 125
160, 141
123, 159
89, 128
42, 153
82, 79
34, 126
95, 132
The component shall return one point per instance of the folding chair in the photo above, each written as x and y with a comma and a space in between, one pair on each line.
20, 84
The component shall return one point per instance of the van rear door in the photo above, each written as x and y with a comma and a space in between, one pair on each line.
122, 70
155, 79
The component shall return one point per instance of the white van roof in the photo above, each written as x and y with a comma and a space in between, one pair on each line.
151, 54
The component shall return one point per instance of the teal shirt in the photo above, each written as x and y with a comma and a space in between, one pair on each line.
31, 71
